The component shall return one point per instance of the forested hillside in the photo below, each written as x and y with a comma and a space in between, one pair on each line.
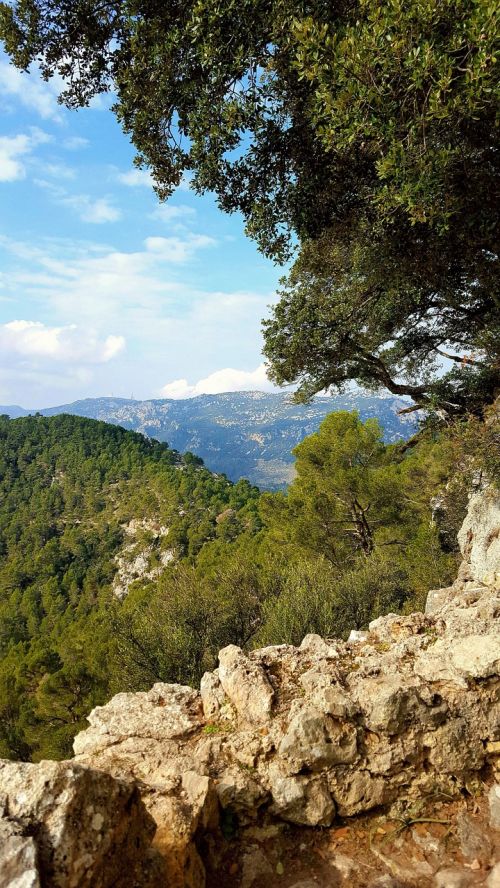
68, 488
242, 434
123, 563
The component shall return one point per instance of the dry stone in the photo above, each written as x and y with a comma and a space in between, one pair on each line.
296, 735
18, 857
246, 685
88, 829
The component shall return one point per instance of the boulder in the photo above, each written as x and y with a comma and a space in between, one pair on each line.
316, 741
302, 800
166, 712
246, 685
18, 856
75, 826
479, 536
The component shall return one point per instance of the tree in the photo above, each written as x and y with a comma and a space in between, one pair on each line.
349, 311
345, 500
374, 122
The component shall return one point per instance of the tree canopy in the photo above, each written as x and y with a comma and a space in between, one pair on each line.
367, 131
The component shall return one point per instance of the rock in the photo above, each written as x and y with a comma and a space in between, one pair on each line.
388, 702
436, 598
452, 877
477, 656
454, 748
88, 828
212, 694
307, 883
246, 685
493, 880
302, 800
18, 857
474, 842
359, 791
494, 805
239, 791
318, 646
255, 867
166, 712
191, 808
356, 635
315, 741
479, 536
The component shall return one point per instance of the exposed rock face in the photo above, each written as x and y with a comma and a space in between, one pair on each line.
134, 561
406, 712
67, 826
479, 537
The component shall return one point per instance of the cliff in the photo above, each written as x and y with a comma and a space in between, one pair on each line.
390, 742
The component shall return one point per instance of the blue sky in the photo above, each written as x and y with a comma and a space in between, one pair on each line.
102, 289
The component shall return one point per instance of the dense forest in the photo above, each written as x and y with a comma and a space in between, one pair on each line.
353, 537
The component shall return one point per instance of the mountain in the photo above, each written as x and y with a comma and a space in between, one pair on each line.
241, 434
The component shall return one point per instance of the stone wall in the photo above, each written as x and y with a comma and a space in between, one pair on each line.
309, 736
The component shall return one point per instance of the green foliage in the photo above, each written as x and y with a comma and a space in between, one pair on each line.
384, 314
67, 487
352, 538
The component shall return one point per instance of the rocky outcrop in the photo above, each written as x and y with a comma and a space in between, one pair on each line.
399, 725
136, 561
67, 826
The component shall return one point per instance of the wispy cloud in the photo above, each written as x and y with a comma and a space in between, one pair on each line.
75, 143
15, 149
96, 210
174, 213
30, 91
151, 298
136, 178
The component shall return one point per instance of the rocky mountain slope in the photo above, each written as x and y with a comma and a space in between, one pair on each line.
389, 742
241, 434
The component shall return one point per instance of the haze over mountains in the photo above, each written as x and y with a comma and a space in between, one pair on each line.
242, 434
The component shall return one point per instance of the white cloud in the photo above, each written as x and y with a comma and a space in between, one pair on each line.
59, 171
30, 90
12, 151
173, 325
173, 213
136, 177
177, 249
69, 344
97, 211
89, 209
74, 143
227, 380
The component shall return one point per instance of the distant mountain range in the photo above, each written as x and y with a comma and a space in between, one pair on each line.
242, 434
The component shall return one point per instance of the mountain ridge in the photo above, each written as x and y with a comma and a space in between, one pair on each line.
239, 434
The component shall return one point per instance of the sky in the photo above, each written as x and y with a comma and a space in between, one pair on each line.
103, 290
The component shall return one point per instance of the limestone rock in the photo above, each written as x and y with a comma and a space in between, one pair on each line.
301, 800
315, 741
165, 712
246, 685
479, 537
494, 805
451, 877
288, 734
88, 828
18, 857
493, 880
212, 694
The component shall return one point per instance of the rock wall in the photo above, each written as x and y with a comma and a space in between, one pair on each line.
401, 719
